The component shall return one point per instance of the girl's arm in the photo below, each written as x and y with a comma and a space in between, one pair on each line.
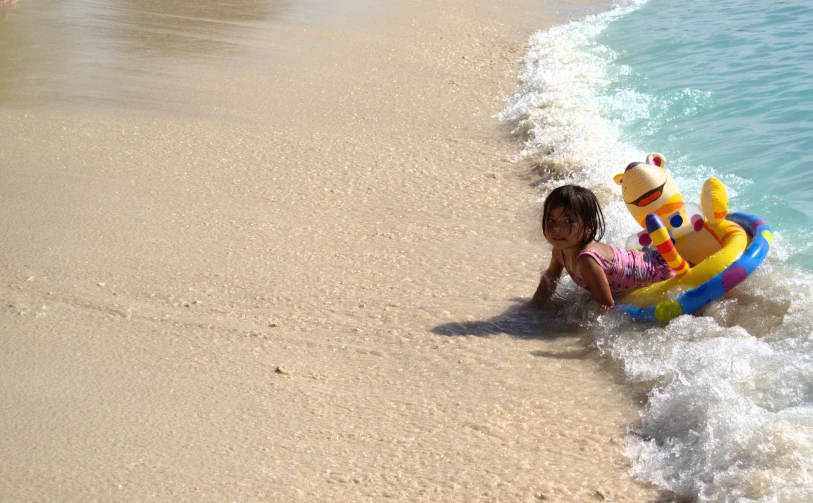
548, 282
597, 282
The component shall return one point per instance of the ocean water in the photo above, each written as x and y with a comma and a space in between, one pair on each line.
721, 89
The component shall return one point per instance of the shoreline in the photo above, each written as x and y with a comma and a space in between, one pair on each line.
244, 300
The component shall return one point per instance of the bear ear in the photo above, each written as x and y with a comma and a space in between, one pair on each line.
656, 159
618, 178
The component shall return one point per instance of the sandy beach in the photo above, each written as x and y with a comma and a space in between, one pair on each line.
294, 274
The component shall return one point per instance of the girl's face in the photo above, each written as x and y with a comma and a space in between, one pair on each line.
563, 230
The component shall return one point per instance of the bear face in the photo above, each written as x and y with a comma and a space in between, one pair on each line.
647, 188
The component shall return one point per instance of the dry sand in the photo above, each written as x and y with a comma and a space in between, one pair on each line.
253, 295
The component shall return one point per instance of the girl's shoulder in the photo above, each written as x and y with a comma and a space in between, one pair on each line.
597, 250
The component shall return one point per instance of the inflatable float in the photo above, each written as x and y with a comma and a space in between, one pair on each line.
711, 253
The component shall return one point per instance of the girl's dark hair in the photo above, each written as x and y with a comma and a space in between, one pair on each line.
582, 204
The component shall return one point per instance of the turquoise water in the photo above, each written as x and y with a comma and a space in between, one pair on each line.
721, 89
730, 87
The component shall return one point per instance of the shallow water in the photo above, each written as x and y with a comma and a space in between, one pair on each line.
135, 53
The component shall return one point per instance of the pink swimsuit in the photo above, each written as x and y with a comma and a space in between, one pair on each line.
628, 269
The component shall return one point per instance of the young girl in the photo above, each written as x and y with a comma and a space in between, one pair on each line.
572, 223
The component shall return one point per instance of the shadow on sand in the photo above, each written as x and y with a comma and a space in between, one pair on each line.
519, 320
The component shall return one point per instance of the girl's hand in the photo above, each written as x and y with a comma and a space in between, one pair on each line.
547, 283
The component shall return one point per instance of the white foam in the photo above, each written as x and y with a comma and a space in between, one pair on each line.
568, 125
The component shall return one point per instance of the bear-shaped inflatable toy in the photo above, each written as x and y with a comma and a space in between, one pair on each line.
654, 200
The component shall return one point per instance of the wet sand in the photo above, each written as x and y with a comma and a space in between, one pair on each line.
293, 273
